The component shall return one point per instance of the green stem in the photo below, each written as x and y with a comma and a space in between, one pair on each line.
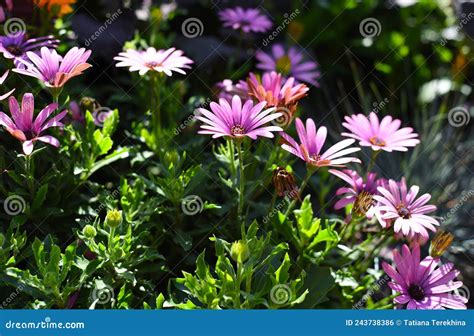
373, 158
30, 173
231, 152
156, 110
309, 173
241, 183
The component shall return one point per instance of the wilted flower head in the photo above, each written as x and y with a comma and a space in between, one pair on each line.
16, 46
440, 243
408, 212
360, 192
284, 183
312, 141
247, 20
289, 63
425, 284
166, 61
386, 134
58, 7
22, 126
236, 120
53, 69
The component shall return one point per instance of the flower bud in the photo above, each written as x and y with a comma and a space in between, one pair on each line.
89, 231
113, 218
239, 251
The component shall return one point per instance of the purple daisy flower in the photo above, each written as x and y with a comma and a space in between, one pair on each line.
24, 128
247, 20
236, 120
53, 69
312, 141
226, 89
423, 285
290, 63
386, 134
15, 47
401, 205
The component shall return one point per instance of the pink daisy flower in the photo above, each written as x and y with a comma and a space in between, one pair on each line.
247, 20
236, 120
312, 141
408, 212
386, 135
425, 284
53, 69
24, 128
166, 61
358, 188
289, 63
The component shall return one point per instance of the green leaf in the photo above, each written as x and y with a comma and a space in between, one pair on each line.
40, 196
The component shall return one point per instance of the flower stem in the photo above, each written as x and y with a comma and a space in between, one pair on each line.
305, 182
241, 182
373, 158
30, 175
156, 110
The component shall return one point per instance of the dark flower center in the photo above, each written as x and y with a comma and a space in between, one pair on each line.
283, 65
403, 211
416, 292
15, 50
152, 64
363, 203
377, 142
237, 130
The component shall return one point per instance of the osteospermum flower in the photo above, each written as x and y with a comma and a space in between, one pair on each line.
277, 91
360, 192
226, 89
289, 63
386, 134
16, 46
312, 141
9, 8
24, 128
53, 69
59, 7
2, 80
166, 61
423, 285
236, 120
399, 205
247, 20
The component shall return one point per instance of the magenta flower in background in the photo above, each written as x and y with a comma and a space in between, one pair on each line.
386, 135
53, 69
408, 212
15, 47
236, 120
9, 8
2, 80
226, 89
423, 285
289, 62
357, 186
22, 126
166, 61
247, 20
312, 141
